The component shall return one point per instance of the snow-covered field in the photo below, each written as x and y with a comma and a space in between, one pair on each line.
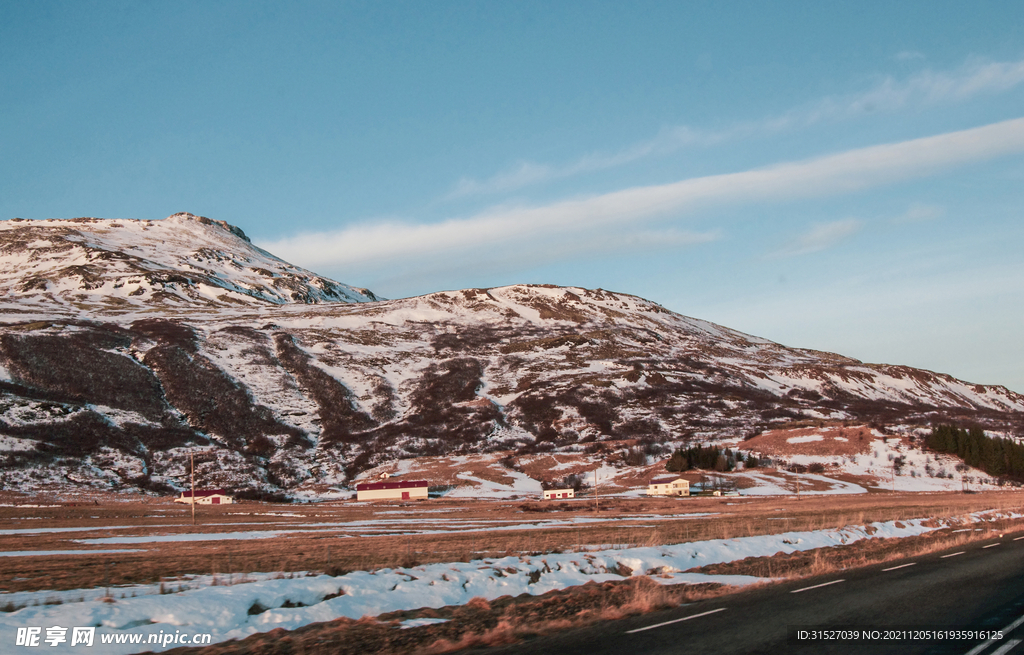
262, 602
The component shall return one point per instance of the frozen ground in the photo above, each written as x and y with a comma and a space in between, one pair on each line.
339, 529
921, 470
46, 553
257, 602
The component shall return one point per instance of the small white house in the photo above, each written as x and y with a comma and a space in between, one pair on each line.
393, 490
668, 487
557, 494
206, 497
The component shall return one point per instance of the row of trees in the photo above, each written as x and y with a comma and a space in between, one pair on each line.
709, 458
996, 456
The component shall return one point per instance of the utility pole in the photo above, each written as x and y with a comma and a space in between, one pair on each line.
192, 462
597, 498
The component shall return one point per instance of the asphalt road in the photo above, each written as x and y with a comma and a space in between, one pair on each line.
979, 586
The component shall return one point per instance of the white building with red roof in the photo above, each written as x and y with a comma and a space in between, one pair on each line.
206, 497
556, 494
392, 490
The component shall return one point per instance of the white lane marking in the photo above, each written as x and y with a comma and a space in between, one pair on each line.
1007, 647
953, 554
990, 545
823, 584
685, 618
1007, 630
901, 566
1018, 538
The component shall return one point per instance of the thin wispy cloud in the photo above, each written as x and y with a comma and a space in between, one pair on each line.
919, 213
909, 55
821, 236
526, 173
922, 89
524, 227
887, 94
523, 174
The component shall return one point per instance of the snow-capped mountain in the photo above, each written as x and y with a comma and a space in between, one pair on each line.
115, 265
285, 395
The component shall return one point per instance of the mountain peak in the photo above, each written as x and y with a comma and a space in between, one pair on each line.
185, 216
183, 262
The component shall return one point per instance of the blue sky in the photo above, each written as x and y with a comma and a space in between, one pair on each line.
839, 176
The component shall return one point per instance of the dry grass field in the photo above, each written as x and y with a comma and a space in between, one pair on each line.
231, 541
837, 439
482, 623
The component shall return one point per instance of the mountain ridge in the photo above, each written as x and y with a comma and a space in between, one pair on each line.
288, 395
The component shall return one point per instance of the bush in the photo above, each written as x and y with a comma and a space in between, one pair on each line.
635, 457
576, 482
261, 446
